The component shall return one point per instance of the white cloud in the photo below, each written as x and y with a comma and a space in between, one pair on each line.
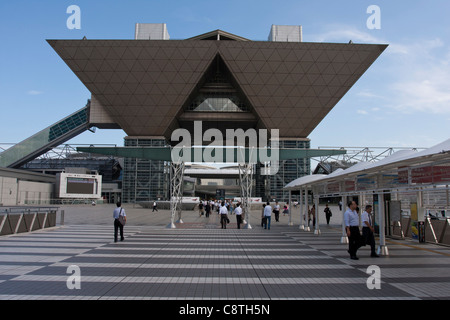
417, 73
424, 96
422, 77
345, 33
34, 92
366, 93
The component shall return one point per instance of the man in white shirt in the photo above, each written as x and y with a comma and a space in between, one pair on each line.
351, 220
223, 211
367, 230
119, 211
267, 215
238, 213
276, 211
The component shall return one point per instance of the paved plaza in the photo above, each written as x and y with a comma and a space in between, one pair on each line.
201, 261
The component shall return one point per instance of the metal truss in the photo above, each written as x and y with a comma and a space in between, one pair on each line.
5, 146
245, 181
362, 154
246, 185
354, 154
176, 191
63, 151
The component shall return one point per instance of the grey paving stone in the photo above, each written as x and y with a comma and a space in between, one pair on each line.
158, 263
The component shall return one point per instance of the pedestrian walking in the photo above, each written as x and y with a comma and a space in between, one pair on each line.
238, 213
200, 209
263, 218
267, 215
120, 218
351, 220
155, 206
367, 230
208, 209
286, 209
312, 215
223, 211
328, 213
276, 211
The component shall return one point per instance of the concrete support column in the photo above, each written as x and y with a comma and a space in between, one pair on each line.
361, 206
344, 238
316, 213
289, 208
306, 211
300, 203
382, 248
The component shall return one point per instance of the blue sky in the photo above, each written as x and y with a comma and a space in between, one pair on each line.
403, 100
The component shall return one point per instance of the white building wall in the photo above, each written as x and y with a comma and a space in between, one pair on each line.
8, 191
151, 31
285, 33
18, 192
34, 192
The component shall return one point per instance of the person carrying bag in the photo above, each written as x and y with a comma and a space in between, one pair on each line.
223, 211
120, 219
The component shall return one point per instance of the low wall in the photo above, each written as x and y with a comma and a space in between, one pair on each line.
19, 220
165, 205
436, 230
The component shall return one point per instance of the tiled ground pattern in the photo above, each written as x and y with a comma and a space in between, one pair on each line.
210, 263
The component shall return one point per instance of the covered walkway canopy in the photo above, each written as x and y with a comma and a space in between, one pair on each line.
417, 182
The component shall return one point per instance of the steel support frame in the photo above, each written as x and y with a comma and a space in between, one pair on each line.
245, 181
246, 184
176, 191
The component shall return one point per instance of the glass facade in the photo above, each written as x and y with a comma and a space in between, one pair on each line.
217, 102
289, 170
218, 92
149, 180
75, 120
145, 180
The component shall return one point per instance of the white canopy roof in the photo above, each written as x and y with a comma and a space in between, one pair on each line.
397, 159
305, 180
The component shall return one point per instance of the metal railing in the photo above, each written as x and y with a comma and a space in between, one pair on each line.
26, 219
435, 230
